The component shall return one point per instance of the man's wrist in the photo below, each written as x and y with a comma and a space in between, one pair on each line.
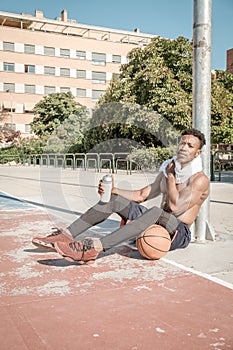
171, 180
170, 176
114, 190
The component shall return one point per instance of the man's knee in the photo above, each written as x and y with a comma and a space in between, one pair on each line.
168, 221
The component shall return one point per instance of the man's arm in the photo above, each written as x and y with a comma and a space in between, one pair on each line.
193, 194
139, 196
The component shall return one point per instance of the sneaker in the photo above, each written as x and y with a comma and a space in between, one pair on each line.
48, 242
81, 251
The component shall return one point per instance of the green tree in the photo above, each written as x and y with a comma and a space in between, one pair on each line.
52, 110
60, 123
222, 108
8, 135
159, 77
69, 135
117, 127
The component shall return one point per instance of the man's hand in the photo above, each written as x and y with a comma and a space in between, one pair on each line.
101, 186
170, 169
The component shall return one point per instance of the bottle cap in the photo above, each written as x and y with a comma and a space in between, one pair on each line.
107, 178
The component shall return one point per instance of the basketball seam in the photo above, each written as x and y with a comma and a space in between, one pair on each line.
146, 247
142, 249
160, 250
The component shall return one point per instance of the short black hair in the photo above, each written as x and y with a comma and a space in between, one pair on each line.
197, 134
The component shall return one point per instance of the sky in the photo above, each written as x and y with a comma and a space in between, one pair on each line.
166, 18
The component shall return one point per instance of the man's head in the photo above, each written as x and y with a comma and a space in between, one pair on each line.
190, 145
197, 134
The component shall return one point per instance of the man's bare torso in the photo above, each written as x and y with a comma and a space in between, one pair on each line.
194, 191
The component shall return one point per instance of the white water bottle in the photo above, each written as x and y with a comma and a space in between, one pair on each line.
107, 184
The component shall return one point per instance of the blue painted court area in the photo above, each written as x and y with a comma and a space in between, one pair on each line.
8, 202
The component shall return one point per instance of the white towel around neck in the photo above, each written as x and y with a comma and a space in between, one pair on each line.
183, 174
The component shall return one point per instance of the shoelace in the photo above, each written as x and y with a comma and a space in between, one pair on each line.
56, 232
77, 246
84, 246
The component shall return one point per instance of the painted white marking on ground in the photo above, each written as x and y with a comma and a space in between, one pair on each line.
199, 273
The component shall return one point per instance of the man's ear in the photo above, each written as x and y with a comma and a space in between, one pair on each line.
198, 152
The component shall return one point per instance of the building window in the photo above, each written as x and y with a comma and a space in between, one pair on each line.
8, 67
99, 58
64, 72
99, 77
49, 90
28, 107
81, 92
64, 89
30, 89
27, 128
81, 74
29, 69
116, 59
12, 126
9, 87
8, 46
81, 55
29, 48
49, 70
96, 94
49, 51
65, 53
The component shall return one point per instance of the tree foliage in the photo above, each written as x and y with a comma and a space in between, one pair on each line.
68, 137
52, 110
159, 77
117, 127
222, 108
8, 135
147, 106
60, 121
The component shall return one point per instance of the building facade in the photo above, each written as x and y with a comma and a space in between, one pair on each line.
40, 56
230, 61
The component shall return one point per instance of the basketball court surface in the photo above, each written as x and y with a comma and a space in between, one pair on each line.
122, 301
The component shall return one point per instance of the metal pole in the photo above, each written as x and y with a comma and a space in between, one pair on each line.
202, 94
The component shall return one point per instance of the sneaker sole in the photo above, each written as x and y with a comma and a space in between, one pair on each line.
40, 244
68, 258
81, 262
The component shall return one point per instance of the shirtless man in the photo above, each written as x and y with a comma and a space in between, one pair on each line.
183, 186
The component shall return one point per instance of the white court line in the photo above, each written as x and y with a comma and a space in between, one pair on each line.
199, 273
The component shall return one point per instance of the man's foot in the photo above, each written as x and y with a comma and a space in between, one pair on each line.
48, 242
81, 251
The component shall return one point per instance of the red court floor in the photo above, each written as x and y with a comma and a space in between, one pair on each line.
121, 302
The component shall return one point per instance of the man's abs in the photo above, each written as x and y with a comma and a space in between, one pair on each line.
189, 216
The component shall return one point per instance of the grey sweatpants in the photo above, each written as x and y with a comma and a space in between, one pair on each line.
117, 204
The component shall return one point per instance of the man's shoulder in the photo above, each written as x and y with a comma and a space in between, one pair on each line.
200, 179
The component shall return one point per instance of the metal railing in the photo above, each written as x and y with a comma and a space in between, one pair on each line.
86, 161
221, 161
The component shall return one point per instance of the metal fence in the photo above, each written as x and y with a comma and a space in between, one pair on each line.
221, 162
86, 161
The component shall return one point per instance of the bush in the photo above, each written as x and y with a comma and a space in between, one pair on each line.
9, 154
151, 158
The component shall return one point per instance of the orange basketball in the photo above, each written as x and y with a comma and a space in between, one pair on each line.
154, 242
